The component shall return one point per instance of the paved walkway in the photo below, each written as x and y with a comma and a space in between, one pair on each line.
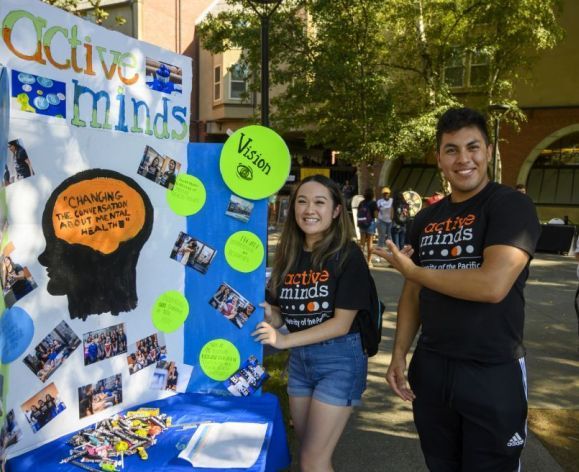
381, 434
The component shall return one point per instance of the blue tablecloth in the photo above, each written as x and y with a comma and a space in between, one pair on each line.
183, 408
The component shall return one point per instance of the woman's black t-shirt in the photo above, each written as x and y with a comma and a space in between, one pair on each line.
308, 297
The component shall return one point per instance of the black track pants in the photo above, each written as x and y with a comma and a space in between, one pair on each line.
470, 417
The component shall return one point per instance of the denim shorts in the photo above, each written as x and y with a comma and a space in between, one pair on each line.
332, 371
370, 229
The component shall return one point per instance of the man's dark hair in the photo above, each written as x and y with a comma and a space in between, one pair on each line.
454, 119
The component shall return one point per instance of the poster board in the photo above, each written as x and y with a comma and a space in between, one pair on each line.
98, 122
122, 236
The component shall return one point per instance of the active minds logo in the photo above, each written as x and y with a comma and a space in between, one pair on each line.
244, 172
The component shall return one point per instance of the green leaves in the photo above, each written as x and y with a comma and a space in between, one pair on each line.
369, 78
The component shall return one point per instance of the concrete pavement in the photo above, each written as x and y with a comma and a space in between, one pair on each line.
381, 435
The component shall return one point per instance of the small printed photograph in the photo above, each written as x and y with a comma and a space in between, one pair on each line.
10, 433
16, 279
160, 169
248, 379
239, 208
231, 304
171, 376
18, 165
151, 164
52, 351
193, 253
147, 351
104, 394
43, 407
37, 94
104, 343
169, 173
163, 77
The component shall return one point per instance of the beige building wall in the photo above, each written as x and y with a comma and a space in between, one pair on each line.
223, 113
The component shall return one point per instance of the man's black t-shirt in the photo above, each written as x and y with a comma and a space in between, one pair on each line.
309, 297
449, 236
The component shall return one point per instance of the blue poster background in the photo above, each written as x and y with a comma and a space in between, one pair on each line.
212, 226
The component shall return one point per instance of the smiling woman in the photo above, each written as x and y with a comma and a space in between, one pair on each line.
320, 281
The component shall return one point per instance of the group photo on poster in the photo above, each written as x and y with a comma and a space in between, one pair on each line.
105, 393
43, 407
104, 343
52, 351
17, 281
145, 352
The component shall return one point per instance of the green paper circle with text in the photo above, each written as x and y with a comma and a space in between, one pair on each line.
170, 311
219, 359
255, 162
188, 195
244, 251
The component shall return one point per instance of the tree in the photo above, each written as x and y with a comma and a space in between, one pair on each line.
484, 46
99, 14
369, 78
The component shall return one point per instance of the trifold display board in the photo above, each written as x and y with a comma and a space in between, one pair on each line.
133, 263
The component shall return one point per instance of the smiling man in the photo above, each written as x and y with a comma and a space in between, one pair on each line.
464, 289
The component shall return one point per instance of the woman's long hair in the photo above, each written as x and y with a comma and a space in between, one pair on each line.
292, 239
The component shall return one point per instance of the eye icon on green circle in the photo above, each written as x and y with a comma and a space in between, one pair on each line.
244, 172
255, 162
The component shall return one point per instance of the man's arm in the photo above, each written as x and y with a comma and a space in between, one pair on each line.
407, 325
490, 283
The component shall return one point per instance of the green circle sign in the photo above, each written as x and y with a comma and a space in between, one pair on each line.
219, 359
170, 311
255, 162
244, 251
188, 195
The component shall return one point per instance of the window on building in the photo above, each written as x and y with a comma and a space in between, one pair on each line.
454, 71
217, 83
237, 81
467, 69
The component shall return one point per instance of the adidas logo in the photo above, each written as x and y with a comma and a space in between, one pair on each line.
515, 441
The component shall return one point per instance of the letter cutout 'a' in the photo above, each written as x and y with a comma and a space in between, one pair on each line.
95, 224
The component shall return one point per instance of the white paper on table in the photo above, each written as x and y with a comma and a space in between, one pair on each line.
225, 445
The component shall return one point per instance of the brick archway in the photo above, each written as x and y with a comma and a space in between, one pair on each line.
540, 146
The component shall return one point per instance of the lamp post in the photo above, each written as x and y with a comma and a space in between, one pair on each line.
264, 10
501, 109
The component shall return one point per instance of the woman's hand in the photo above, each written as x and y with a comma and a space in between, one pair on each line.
267, 312
271, 315
267, 334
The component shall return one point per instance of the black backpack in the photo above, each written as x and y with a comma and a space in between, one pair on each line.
370, 322
364, 216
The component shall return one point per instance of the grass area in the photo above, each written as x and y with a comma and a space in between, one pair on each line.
558, 430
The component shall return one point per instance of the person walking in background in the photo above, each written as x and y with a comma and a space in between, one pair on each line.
366, 218
385, 211
521, 188
319, 282
464, 286
348, 191
400, 215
